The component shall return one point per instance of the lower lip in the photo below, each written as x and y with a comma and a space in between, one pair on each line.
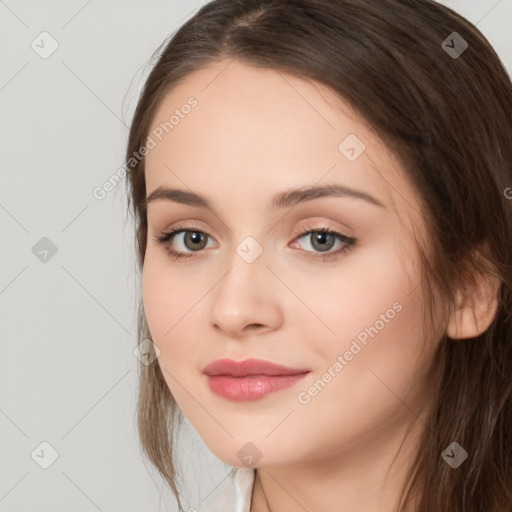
251, 388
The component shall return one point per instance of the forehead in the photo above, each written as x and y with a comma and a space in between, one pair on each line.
254, 129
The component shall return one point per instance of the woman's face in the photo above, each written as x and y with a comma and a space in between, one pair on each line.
256, 286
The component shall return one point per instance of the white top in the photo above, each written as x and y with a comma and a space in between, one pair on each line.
237, 496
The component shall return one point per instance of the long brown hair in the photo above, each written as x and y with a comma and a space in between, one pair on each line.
447, 116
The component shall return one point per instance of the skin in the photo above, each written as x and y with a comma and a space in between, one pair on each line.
255, 133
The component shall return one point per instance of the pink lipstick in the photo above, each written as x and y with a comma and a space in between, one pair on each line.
250, 379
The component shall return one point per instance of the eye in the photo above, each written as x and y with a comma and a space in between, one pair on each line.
195, 240
324, 239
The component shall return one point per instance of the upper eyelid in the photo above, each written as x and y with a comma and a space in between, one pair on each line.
191, 225
305, 230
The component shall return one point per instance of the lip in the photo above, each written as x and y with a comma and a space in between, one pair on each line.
251, 379
249, 367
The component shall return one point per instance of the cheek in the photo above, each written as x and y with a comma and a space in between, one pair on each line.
378, 324
374, 312
153, 297
171, 298
164, 298
372, 282
167, 304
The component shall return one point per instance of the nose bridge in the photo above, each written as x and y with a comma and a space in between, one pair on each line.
247, 239
245, 274
244, 296
249, 250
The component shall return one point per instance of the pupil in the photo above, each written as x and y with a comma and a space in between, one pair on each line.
320, 239
195, 238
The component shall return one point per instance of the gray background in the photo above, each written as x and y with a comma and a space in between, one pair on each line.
68, 324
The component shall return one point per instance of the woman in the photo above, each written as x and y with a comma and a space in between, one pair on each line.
322, 193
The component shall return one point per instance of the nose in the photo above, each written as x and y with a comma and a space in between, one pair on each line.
246, 299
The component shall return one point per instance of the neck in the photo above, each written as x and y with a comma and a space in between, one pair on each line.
364, 477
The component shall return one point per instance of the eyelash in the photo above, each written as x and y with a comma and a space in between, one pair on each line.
167, 237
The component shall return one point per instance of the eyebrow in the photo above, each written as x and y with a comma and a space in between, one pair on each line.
281, 200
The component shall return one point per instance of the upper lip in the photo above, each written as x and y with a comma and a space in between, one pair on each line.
249, 367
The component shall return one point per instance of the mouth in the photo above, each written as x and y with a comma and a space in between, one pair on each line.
250, 368
251, 388
251, 379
